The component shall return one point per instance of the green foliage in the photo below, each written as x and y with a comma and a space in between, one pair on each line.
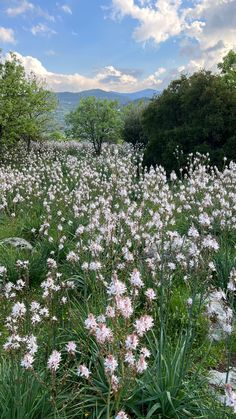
195, 113
133, 132
172, 387
228, 68
21, 395
25, 105
96, 121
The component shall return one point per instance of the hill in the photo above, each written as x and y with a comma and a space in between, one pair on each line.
68, 101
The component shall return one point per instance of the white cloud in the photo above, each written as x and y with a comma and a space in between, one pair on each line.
7, 35
157, 21
42, 29
211, 24
23, 7
108, 78
66, 9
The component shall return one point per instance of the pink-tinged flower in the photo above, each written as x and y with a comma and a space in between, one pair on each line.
110, 364
124, 306
110, 312
52, 264
18, 310
145, 352
132, 341
150, 294
83, 371
121, 415
143, 324
230, 397
136, 280
31, 343
90, 322
115, 383
54, 361
103, 333
71, 348
116, 287
141, 364
27, 361
129, 358
189, 302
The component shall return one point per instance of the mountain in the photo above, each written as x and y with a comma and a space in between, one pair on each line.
68, 101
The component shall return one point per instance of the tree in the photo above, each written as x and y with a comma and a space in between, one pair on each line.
196, 113
25, 104
228, 68
96, 121
133, 131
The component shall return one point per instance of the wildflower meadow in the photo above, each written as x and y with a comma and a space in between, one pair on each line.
117, 286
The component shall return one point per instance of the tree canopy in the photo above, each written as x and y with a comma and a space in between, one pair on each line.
133, 131
96, 121
196, 113
228, 68
25, 104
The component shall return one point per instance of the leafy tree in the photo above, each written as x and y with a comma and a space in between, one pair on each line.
228, 68
25, 104
196, 113
96, 121
133, 131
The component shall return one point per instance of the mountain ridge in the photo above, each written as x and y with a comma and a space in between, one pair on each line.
68, 101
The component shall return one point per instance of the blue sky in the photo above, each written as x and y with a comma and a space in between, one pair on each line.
122, 45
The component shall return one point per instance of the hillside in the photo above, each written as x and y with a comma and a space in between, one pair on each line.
67, 101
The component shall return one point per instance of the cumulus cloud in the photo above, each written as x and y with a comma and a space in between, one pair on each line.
210, 24
66, 9
107, 78
42, 29
157, 20
7, 35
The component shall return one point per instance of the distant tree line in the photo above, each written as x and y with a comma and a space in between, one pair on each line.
194, 113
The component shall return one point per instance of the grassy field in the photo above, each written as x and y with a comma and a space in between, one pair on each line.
121, 298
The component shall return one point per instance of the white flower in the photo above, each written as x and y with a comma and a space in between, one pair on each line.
121, 415
90, 322
189, 301
27, 361
54, 361
3, 270
150, 294
110, 364
83, 371
124, 306
71, 347
145, 352
114, 383
103, 333
116, 287
52, 264
129, 358
143, 324
141, 364
230, 397
110, 312
136, 280
18, 310
132, 341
